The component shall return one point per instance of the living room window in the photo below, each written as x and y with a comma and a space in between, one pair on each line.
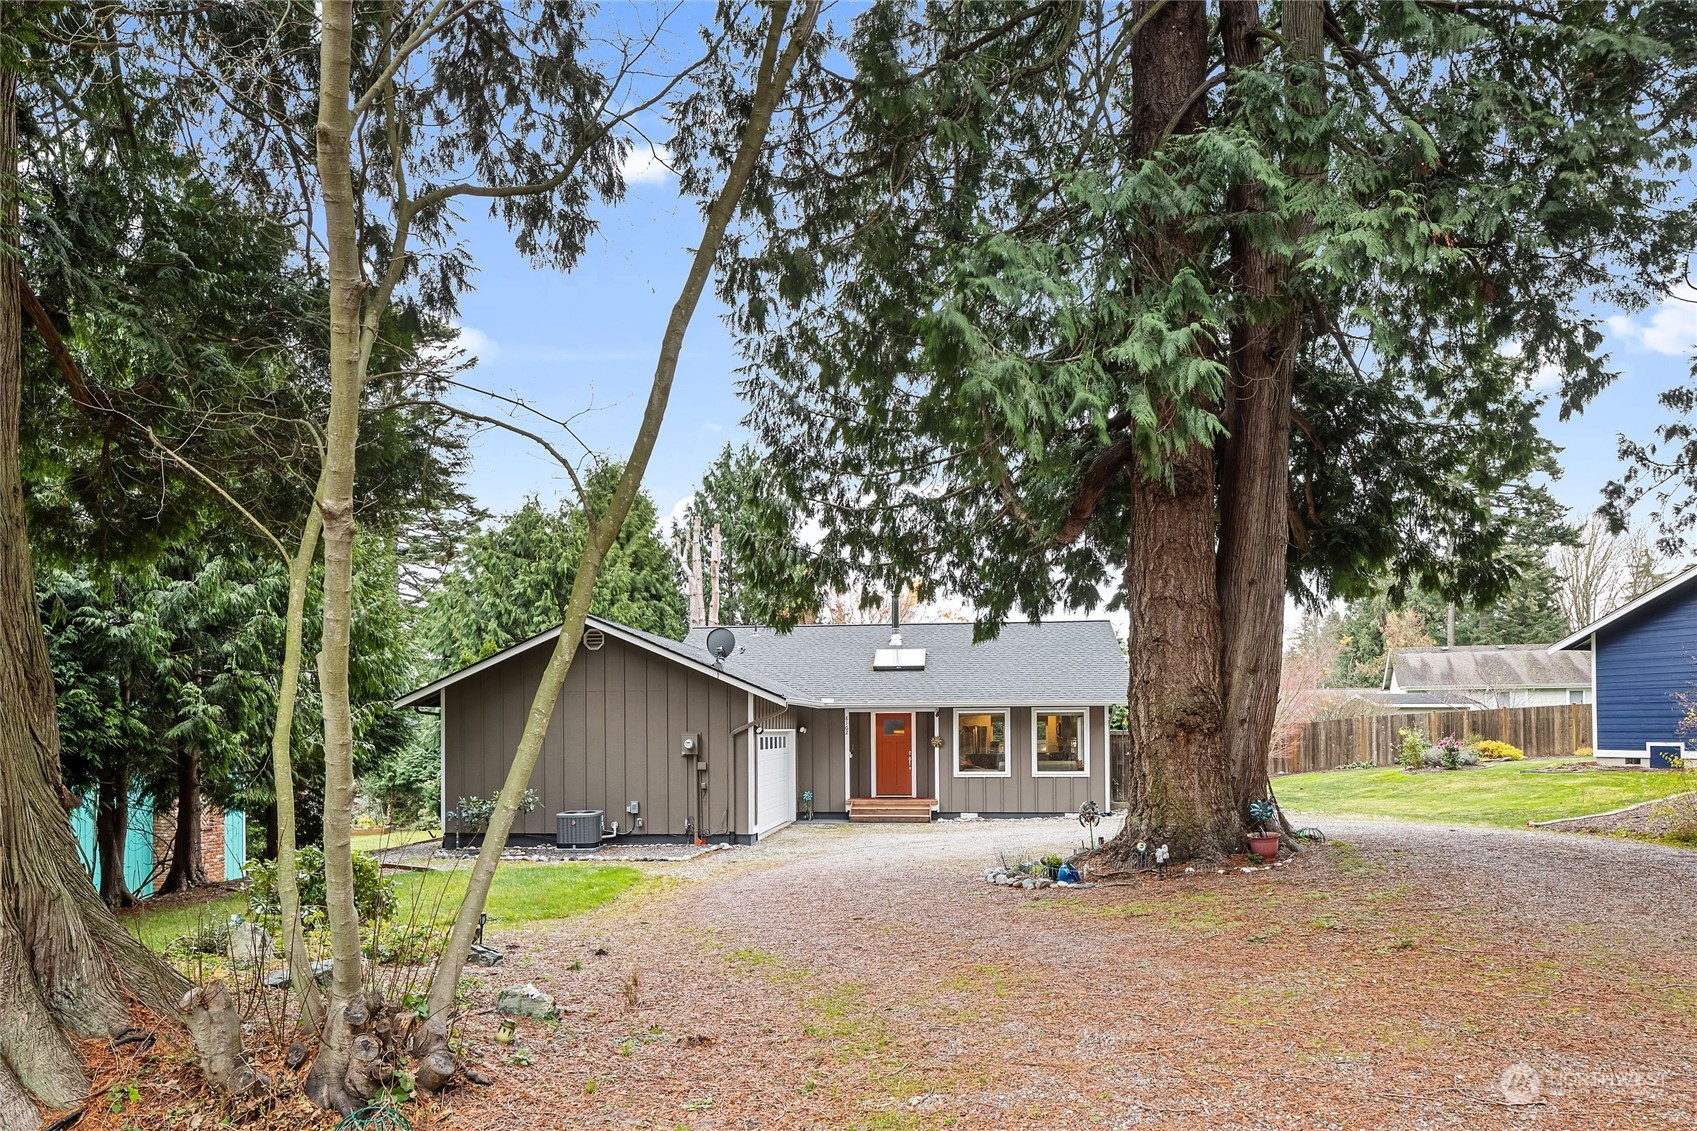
981, 744
1060, 740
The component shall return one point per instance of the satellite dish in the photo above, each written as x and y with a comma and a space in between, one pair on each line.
721, 642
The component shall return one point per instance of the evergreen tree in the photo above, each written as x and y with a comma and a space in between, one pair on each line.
1022, 271
738, 494
513, 580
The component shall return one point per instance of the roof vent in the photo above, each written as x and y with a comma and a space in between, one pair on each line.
593, 639
898, 660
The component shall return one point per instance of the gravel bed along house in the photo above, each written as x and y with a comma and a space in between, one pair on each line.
867, 976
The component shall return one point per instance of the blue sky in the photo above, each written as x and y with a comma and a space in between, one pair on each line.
587, 341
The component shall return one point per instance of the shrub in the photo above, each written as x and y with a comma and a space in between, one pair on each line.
374, 896
1583, 752
1449, 752
1431, 759
474, 812
1491, 750
405, 944
1413, 749
1469, 758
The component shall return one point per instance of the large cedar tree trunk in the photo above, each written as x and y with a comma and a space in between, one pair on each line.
187, 869
1254, 469
112, 833
67, 966
1179, 785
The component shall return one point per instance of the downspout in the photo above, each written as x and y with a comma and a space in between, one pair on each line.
753, 774
936, 761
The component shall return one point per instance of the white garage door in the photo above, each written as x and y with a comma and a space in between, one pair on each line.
774, 780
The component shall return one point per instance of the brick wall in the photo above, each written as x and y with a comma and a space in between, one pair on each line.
211, 840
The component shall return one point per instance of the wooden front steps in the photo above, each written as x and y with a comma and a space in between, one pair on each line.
891, 809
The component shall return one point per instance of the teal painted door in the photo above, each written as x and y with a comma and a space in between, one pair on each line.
235, 843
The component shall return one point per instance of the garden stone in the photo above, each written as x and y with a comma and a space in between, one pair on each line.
250, 945
1028, 884
484, 955
525, 1001
321, 971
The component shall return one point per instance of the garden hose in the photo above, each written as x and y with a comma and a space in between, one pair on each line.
375, 1117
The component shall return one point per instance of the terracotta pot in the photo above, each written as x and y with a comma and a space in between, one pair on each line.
1265, 845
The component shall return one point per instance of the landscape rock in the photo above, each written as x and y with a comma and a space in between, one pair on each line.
250, 945
482, 955
321, 970
525, 1001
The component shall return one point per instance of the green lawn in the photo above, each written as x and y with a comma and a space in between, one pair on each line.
522, 893
1506, 795
395, 838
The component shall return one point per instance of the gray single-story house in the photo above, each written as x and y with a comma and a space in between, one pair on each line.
1643, 676
668, 741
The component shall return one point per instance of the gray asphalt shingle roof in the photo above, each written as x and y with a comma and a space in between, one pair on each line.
1492, 666
1057, 663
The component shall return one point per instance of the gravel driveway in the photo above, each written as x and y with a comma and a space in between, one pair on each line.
866, 977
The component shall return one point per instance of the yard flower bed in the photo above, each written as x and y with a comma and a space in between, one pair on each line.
1506, 795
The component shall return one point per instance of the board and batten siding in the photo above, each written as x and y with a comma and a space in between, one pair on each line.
1641, 663
1022, 791
615, 737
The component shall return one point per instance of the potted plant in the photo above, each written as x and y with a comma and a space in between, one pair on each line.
1264, 842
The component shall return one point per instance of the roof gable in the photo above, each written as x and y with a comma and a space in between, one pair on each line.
674, 650
1645, 601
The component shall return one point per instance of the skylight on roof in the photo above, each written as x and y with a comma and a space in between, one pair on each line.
898, 660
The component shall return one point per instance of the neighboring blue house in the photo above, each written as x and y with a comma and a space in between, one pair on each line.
1644, 659
147, 849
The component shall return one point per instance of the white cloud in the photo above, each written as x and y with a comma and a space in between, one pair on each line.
1670, 327
1547, 375
712, 427
644, 164
478, 344
679, 512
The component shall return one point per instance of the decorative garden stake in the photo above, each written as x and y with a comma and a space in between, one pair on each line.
807, 805
1089, 816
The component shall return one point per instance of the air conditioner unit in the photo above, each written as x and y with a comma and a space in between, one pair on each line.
581, 828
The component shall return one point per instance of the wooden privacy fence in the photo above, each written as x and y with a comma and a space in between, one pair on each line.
1540, 732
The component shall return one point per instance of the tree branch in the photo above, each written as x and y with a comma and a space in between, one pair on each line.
56, 347
223, 494
1098, 477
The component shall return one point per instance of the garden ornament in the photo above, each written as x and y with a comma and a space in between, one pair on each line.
1089, 816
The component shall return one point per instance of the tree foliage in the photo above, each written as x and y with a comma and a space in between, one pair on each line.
513, 580
738, 494
946, 334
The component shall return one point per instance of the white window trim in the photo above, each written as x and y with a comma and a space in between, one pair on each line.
1007, 755
1083, 737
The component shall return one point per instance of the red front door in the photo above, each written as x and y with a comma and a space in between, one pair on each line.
893, 760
